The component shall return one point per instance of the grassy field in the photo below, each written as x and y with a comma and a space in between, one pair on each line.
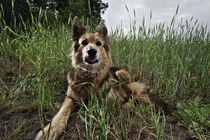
172, 60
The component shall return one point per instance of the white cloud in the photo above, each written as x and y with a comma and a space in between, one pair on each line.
162, 11
139, 6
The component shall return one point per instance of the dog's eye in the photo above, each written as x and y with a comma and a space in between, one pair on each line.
84, 42
98, 43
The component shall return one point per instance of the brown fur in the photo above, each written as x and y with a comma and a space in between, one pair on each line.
85, 76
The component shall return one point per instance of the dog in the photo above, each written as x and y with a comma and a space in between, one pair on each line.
91, 70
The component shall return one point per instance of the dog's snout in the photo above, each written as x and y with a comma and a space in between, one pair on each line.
90, 56
92, 52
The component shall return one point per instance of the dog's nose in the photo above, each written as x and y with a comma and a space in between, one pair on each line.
92, 52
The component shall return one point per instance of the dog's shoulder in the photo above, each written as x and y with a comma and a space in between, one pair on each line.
119, 74
112, 72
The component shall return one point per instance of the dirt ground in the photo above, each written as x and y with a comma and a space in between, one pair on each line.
75, 128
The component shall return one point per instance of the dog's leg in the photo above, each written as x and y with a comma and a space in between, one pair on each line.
59, 122
125, 88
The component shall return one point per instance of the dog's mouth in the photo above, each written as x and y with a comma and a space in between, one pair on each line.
91, 60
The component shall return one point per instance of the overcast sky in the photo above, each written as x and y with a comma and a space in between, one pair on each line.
162, 11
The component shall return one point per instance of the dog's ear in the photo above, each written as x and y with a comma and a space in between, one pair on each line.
101, 29
77, 29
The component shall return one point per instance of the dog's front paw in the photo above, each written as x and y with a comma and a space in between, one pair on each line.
59, 122
50, 133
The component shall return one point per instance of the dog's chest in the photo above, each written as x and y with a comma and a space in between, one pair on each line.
83, 83
80, 79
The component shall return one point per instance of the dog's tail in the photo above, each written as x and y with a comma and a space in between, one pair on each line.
59, 122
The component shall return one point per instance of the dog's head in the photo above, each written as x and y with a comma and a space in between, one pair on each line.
90, 52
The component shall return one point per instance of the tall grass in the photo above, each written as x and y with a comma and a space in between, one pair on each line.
172, 60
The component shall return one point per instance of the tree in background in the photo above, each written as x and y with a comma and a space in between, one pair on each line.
12, 10
81, 8
63, 8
